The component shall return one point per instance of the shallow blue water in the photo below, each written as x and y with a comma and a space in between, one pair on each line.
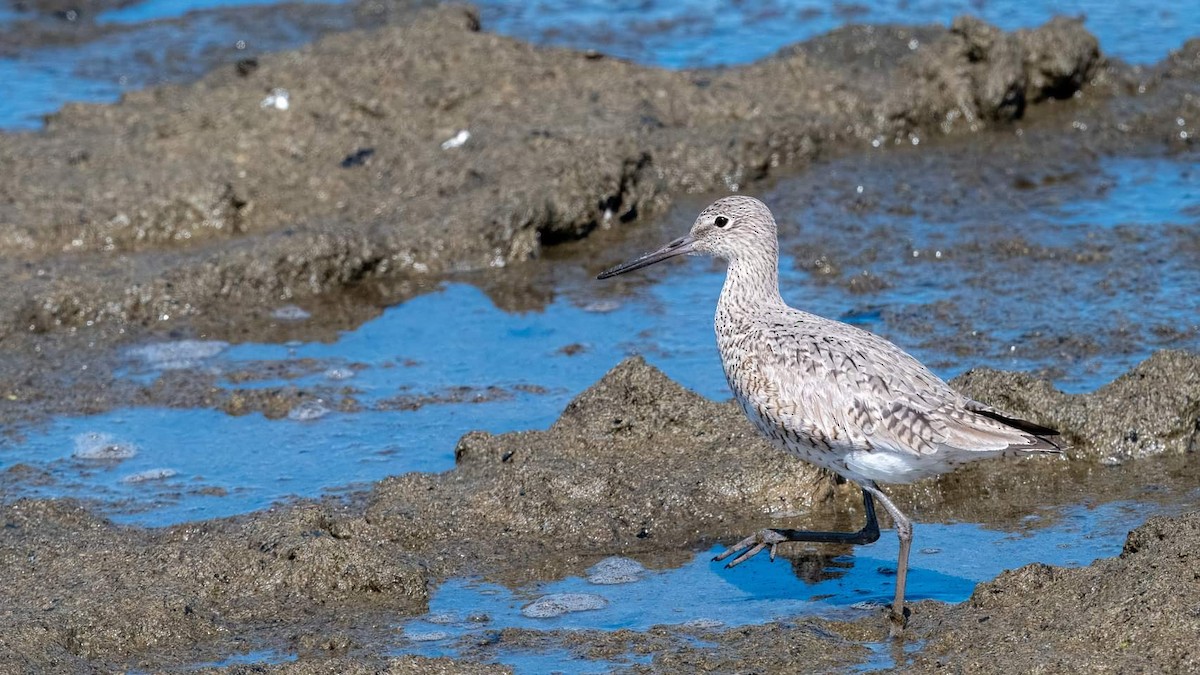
39, 84
156, 10
428, 346
947, 562
466, 615
39, 80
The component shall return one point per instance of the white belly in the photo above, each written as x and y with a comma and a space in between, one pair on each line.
885, 466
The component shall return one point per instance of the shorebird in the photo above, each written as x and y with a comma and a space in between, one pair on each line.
832, 394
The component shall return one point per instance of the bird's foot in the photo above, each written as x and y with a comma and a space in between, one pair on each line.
898, 621
752, 545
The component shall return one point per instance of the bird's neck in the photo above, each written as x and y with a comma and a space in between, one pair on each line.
752, 281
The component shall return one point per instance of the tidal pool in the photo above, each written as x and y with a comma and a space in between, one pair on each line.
947, 562
1076, 278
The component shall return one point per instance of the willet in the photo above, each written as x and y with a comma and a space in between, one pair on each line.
832, 394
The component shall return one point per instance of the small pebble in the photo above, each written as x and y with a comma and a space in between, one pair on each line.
702, 624
290, 313
457, 140
425, 635
615, 570
558, 604
102, 446
602, 306
149, 475
177, 355
308, 411
279, 99
442, 618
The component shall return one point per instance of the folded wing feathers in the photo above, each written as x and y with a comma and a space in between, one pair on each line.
905, 409
922, 421
912, 427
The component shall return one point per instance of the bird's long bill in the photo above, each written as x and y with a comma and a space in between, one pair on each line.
681, 246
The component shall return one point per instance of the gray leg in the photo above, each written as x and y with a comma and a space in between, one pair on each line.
904, 529
772, 537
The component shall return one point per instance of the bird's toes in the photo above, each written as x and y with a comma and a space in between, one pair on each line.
747, 555
751, 546
752, 540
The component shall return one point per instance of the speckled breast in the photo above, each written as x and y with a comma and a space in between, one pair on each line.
810, 447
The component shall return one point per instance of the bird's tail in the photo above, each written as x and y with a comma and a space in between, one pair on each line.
1045, 439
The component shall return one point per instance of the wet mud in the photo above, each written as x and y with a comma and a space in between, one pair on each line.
186, 199
616, 474
196, 211
1134, 613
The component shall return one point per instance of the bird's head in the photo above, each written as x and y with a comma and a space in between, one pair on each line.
730, 228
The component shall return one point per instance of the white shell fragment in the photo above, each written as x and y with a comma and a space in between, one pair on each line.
457, 140
278, 99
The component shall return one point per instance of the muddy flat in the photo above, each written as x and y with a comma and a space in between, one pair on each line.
305, 367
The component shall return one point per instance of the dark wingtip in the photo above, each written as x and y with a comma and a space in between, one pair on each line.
1019, 424
1045, 434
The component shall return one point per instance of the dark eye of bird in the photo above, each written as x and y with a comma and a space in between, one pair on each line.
721, 221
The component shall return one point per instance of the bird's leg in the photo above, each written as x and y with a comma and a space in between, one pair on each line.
771, 537
904, 529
